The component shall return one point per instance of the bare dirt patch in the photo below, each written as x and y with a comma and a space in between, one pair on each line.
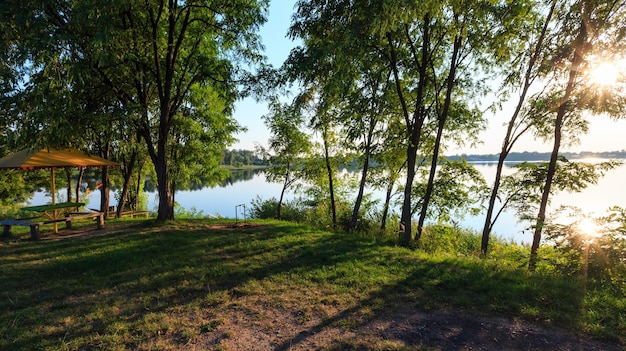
255, 323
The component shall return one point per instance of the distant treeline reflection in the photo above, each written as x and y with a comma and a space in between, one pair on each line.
241, 175
235, 176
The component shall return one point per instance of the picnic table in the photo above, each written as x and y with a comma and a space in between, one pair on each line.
53, 213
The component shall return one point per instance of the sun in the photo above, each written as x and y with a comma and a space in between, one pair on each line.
588, 227
604, 74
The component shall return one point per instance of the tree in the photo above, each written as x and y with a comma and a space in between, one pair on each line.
149, 55
595, 24
288, 146
523, 190
198, 140
171, 48
461, 189
530, 61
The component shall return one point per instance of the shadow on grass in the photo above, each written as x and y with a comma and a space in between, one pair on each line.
447, 305
72, 289
61, 294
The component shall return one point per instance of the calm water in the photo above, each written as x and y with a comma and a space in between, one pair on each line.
227, 200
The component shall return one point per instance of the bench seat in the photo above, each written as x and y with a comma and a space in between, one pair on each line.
35, 222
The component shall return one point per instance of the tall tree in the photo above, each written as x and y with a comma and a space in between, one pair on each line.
469, 46
148, 54
363, 120
168, 47
597, 25
530, 61
288, 146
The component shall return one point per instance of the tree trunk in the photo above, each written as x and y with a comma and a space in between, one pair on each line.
580, 48
383, 221
440, 127
104, 192
105, 151
165, 209
510, 139
405, 217
494, 194
359, 197
127, 174
331, 187
413, 123
68, 174
138, 187
282, 194
81, 172
366, 163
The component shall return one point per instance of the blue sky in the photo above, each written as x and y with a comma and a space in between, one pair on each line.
248, 112
604, 134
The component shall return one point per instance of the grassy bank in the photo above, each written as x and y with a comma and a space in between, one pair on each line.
148, 286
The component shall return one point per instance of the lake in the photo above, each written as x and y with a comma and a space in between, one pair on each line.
227, 200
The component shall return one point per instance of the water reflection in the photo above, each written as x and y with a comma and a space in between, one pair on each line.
240, 175
235, 176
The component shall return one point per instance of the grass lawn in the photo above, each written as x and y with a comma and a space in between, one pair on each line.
143, 285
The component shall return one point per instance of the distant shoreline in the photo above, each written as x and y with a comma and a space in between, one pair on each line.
540, 156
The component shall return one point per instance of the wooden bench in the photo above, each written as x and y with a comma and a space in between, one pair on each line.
98, 216
134, 213
31, 222
35, 222
129, 213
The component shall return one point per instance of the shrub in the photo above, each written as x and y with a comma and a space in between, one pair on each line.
268, 209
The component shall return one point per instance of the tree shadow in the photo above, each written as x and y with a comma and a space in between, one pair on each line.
166, 268
426, 309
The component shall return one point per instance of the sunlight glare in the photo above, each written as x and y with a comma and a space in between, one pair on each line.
588, 227
604, 74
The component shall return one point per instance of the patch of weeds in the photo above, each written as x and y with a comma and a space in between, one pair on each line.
302, 316
210, 326
348, 323
216, 298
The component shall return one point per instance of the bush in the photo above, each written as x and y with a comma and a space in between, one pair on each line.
268, 209
183, 213
445, 238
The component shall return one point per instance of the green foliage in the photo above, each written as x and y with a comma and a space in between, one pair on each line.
522, 190
166, 72
293, 210
191, 213
17, 186
459, 189
238, 158
446, 239
288, 145
591, 247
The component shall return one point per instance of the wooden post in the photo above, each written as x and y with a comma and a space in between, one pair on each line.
54, 212
34, 231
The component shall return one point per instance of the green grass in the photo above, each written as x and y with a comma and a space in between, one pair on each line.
128, 289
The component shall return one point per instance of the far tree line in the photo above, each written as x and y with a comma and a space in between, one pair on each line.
238, 158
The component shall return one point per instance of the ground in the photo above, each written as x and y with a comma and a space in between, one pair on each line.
257, 325
262, 322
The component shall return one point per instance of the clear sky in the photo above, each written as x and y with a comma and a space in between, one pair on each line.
248, 112
604, 134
